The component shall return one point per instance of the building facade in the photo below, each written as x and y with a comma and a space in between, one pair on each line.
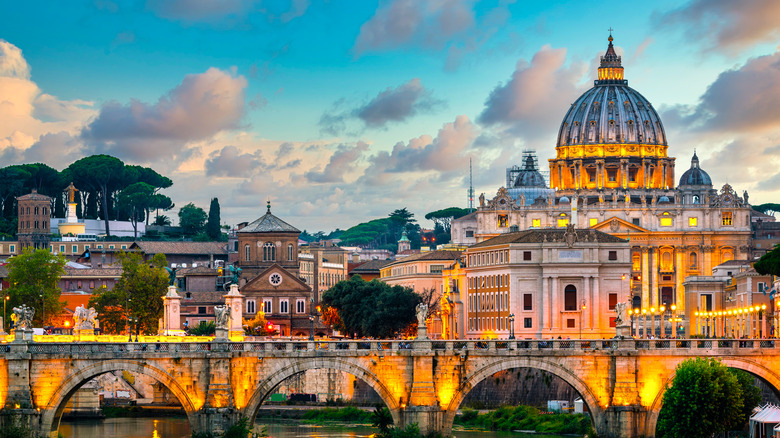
322, 266
33, 229
612, 173
545, 284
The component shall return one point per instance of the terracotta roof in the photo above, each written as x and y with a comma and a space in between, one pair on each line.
269, 224
200, 270
93, 272
372, 266
735, 263
147, 247
430, 255
549, 235
202, 298
34, 196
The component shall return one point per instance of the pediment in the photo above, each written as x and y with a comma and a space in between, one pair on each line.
275, 278
614, 225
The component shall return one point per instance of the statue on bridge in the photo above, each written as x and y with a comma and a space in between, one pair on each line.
620, 309
236, 275
86, 319
171, 275
422, 313
23, 316
221, 316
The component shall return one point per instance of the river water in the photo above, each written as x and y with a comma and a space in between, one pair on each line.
167, 427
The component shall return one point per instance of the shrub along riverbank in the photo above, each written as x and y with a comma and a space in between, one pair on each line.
526, 418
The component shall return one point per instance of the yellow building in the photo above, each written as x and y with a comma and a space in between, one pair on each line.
322, 266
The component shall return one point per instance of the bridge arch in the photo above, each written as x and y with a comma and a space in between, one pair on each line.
472, 379
751, 366
50, 418
355, 368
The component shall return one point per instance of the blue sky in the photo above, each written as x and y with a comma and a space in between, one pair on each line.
342, 111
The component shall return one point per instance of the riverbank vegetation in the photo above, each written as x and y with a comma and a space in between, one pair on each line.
526, 418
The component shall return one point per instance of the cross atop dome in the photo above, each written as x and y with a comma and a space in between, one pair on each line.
611, 68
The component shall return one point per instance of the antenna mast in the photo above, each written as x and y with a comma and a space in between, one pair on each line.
471, 189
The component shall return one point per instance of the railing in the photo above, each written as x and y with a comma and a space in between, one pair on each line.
494, 346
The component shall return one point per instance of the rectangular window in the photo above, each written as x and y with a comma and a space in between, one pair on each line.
726, 219
436, 269
124, 246
612, 321
536, 223
666, 222
62, 248
526, 255
92, 284
502, 220
74, 249
612, 174
612, 255
528, 323
284, 306
693, 221
593, 221
470, 233
250, 306
300, 306
635, 221
562, 223
528, 302
612, 301
570, 299
202, 310
571, 323
267, 308
13, 248
110, 246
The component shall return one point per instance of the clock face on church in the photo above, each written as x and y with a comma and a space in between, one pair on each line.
275, 279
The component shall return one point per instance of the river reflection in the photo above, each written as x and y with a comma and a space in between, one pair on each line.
167, 427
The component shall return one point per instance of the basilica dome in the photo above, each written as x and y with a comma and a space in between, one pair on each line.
695, 176
611, 112
529, 176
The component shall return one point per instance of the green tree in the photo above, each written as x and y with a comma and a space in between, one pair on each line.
136, 198
141, 287
191, 219
212, 225
371, 308
703, 399
444, 217
110, 306
751, 397
769, 263
768, 208
33, 276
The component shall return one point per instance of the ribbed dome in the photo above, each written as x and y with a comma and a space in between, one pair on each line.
695, 176
611, 112
529, 176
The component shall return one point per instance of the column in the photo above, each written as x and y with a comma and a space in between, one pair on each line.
588, 296
544, 323
600, 174
645, 279
555, 304
595, 305
654, 277
679, 290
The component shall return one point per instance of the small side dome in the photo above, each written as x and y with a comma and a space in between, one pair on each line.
529, 176
695, 176
564, 200
663, 200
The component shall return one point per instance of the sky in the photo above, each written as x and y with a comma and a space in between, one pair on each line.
342, 111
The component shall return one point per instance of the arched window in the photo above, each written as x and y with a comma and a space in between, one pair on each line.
45, 211
695, 199
269, 252
570, 297
666, 261
36, 210
246, 253
290, 252
692, 258
28, 210
636, 262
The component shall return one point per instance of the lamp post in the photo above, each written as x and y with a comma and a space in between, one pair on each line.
5, 302
511, 326
127, 320
311, 327
582, 310
43, 313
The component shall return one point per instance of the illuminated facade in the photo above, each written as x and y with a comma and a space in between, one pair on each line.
612, 173
551, 282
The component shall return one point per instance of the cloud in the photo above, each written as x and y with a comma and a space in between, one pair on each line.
727, 25
230, 162
444, 153
741, 99
12, 63
198, 108
537, 89
226, 14
342, 162
391, 105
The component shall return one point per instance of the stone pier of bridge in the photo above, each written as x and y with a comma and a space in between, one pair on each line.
422, 382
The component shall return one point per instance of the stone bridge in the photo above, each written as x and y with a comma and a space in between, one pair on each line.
422, 382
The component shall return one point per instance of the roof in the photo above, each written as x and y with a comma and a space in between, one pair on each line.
430, 255
549, 235
200, 270
93, 272
768, 414
735, 263
470, 216
371, 266
181, 247
269, 224
34, 196
202, 298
